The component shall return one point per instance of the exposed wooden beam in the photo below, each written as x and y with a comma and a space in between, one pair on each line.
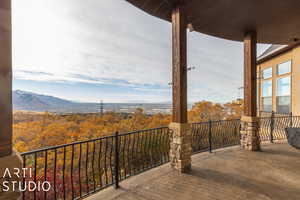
179, 62
5, 79
250, 96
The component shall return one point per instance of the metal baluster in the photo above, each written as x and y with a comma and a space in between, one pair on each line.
54, 178
93, 167
105, 167
110, 159
151, 134
147, 148
79, 167
64, 169
272, 127
138, 152
125, 165
116, 160
155, 150
167, 143
141, 153
210, 135
35, 171
45, 171
128, 157
86, 167
159, 146
143, 148
23, 180
133, 154
99, 163
72, 168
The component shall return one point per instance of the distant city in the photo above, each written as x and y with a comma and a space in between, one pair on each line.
28, 101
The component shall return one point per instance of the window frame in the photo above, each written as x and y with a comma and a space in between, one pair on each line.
286, 75
263, 75
263, 96
277, 68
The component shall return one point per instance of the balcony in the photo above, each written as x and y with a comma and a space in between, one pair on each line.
80, 169
224, 174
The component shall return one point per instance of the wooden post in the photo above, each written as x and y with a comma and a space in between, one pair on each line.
180, 141
179, 63
5, 79
250, 139
250, 73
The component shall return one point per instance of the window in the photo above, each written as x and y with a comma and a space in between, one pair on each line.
267, 73
284, 95
284, 68
267, 104
267, 96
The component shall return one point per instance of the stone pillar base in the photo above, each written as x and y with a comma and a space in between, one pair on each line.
10, 162
250, 139
180, 147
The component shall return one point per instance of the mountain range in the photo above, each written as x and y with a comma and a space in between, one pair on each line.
29, 101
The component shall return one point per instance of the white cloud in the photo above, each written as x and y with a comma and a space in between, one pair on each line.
107, 40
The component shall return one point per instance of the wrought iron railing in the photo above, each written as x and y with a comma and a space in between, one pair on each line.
273, 128
215, 134
274, 114
78, 169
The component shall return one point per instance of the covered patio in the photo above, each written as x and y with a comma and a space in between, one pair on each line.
228, 174
272, 173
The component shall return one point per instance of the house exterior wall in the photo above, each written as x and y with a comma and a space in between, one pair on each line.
292, 55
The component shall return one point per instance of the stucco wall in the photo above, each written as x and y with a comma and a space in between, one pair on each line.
294, 56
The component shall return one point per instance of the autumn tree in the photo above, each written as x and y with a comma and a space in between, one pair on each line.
205, 110
234, 109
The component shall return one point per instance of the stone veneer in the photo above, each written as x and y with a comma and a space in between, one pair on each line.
250, 139
180, 146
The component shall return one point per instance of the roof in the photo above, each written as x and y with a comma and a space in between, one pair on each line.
275, 50
275, 22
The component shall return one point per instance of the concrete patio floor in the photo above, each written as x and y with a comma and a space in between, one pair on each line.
228, 174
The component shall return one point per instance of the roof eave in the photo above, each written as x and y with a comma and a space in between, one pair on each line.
279, 51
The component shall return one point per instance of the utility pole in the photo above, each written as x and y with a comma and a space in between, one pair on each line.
101, 107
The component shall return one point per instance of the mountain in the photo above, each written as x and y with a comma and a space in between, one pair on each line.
28, 101
36, 102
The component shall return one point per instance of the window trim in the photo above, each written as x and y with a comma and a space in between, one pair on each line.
290, 105
262, 87
262, 73
291, 88
277, 68
263, 105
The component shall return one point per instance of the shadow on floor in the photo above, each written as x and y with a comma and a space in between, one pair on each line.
282, 152
275, 190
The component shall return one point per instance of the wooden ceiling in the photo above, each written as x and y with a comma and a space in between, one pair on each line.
276, 21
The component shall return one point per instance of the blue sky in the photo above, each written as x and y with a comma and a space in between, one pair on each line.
107, 49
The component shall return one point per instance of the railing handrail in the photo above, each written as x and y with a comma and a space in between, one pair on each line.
87, 141
111, 136
133, 132
215, 121
287, 116
96, 163
113, 158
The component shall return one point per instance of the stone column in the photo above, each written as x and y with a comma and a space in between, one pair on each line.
180, 147
181, 150
250, 139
